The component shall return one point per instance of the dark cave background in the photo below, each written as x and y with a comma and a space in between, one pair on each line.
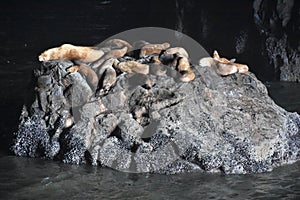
262, 33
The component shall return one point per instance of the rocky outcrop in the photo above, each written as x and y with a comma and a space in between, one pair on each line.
211, 124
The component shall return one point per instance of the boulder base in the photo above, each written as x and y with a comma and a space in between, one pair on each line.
212, 124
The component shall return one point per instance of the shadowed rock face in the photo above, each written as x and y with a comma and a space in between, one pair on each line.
212, 124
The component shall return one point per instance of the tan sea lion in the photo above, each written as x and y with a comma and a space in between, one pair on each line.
241, 68
223, 66
178, 51
184, 68
153, 49
133, 66
187, 76
114, 53
182, 64
72, 52
89, 74
207, 62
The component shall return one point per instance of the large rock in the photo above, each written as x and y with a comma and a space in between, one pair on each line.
213, 124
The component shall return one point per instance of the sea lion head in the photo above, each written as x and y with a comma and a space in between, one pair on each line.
243, 69
46, 55
166, 45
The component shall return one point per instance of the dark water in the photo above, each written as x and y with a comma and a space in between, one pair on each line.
23, 178
29, 27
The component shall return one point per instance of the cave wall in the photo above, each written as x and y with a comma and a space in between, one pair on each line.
262, 33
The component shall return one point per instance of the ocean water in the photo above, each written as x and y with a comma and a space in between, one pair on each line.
28, 28
27, 178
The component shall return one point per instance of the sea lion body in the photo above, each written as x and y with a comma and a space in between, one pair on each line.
118, 43
139, 44
222, 62
114, 53
183, 64
185, 69
153, 49
133, 66
109, 78
89, 74
107, 74
178, 51
207, 62
156, 67
188, 76
223, 66
71, 52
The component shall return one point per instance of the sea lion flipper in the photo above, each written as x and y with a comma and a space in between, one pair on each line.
216, 55
232, 60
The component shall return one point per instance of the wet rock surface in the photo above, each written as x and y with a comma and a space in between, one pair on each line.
211, 124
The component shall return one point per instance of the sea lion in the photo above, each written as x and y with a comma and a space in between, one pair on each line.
207, 62
223, 66
156, 67
187, 76
184, 68
139, 44
182, 64
241, 68
89, 74
107, 74
109, 78
118, 43
114, 53
133, 66
71, 52
178, 51
153, 49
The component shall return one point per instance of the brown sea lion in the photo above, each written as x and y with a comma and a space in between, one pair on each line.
156, 67
107, 74
114, 53
153, 49
117, 43
133, 66
89, 74
139, 44
72, 52
178, 51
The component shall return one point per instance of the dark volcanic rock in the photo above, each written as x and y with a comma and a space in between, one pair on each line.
213, 124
